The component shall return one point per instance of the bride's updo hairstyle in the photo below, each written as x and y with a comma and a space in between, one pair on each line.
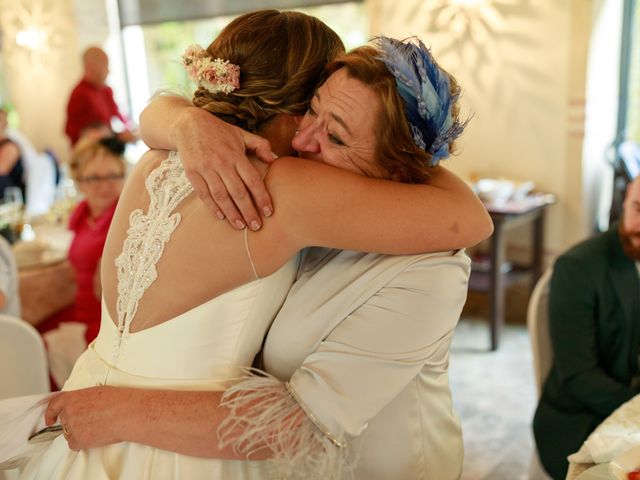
281, 56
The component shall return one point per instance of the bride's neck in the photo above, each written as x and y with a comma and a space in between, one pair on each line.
279, 131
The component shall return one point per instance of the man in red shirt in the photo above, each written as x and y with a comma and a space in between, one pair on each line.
91, 104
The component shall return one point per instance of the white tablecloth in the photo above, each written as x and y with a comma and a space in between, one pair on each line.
618, 433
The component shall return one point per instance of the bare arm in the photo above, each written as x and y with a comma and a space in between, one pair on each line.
214, 156
319, 205
443, 215
182, 422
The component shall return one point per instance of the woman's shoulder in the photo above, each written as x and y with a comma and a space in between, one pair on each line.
149, 162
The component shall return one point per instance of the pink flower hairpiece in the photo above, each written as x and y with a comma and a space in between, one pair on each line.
216, 75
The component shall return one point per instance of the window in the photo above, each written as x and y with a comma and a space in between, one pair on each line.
153, 51
626, 158
631, 107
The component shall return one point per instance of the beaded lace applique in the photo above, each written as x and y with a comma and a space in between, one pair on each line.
147, 236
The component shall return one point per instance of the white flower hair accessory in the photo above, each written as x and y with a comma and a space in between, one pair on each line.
215, 75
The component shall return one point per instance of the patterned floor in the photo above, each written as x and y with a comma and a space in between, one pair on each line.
494, 394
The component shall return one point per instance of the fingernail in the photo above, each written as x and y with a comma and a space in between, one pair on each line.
274, 155
267, 211
239, 224
220, 215
255, 225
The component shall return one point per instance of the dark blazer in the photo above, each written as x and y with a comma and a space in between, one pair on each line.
594, 314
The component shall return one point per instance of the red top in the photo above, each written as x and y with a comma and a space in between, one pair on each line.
90, 104
84, 254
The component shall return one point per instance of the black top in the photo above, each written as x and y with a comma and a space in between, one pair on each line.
15, 178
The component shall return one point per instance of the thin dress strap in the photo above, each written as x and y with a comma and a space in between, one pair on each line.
246, 238
246, 247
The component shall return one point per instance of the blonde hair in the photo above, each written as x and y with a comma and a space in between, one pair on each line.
396, 150
87, 150
281, 56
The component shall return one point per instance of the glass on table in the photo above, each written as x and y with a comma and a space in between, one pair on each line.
11, 212
13, 195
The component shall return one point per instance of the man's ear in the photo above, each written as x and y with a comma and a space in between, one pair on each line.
298, 119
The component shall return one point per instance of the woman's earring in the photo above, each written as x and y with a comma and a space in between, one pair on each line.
297, 132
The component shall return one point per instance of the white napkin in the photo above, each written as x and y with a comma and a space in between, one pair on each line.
20, 417
618, 433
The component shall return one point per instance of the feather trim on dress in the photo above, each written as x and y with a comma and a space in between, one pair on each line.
264, 412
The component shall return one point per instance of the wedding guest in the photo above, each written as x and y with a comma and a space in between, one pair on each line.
11, 165
91, 101
594, 309
98, 168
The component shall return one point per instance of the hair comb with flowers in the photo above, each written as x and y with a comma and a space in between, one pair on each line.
424, 87
216, 75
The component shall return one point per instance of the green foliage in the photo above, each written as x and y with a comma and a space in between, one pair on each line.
164, 43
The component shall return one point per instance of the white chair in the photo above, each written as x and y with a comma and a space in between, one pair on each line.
541, 349
23, 365
40, 175
23, 360
538, 326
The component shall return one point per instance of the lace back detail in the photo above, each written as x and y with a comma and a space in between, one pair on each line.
147, 236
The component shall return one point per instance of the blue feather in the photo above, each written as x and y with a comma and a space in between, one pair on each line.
425, 89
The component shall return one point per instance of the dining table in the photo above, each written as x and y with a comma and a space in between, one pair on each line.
46, 280
618, 433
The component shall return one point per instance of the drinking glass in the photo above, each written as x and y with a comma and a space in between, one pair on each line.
13, 195
14, 200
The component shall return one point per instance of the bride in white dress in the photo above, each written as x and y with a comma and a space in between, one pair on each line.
187, 299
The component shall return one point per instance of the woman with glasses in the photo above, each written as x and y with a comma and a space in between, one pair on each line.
97, 167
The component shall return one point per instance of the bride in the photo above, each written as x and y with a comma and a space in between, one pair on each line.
187, 299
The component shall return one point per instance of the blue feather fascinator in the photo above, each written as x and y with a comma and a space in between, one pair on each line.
425, 89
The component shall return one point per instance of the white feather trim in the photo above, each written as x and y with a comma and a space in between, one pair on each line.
265, 413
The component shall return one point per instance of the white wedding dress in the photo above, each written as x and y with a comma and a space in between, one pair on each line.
205, 348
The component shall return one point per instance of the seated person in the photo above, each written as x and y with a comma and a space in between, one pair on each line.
9, 296
595, 334
11, 165
98, 168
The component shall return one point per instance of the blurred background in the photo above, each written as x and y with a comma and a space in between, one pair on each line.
553, 90
552, 85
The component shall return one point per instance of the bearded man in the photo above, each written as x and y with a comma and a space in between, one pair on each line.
594, 314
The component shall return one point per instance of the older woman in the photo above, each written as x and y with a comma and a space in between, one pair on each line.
185, 317
98, 168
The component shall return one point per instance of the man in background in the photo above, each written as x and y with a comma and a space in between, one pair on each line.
594, 315
91, 104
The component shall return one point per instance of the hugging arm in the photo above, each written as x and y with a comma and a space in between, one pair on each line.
214, 156
450, 215
320, 205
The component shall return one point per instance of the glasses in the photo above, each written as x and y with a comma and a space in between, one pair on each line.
96, 179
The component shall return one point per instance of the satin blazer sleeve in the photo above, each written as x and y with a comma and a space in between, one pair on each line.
371, 355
